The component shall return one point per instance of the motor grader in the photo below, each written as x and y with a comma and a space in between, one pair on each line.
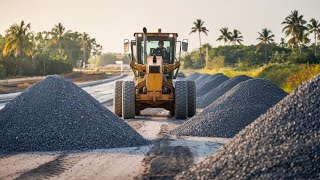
154, 71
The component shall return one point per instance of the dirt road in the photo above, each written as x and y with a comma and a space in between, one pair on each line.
163, 159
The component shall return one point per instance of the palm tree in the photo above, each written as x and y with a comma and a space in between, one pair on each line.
236, 37
18, 41
225, 35
314, 27
282, 43
60, 37
198, 27
88, 44
265, 39
2, 41
295, 27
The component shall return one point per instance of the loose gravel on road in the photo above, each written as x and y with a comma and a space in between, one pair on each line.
55, 114
214, 94
234, 110
211, 84
281, 144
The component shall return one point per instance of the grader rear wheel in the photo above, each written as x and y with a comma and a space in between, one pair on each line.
191, 98
181, 100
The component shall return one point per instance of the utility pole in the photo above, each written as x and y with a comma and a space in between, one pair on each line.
207, 57
84, 58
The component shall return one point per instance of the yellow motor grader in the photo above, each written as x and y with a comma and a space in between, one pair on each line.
154, 69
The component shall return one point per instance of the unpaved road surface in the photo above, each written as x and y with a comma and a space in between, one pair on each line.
163, 159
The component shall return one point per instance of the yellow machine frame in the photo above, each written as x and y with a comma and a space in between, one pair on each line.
154, 83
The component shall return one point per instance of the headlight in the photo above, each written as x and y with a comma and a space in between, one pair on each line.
139, 35
171, 35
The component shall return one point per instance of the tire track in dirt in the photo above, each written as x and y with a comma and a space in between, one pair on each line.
51, 169
164, 161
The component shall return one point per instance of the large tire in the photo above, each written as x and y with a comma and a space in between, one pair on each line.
117, 98
181, 100
191, 98
128, 100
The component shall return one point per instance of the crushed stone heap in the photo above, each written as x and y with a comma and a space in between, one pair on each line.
234, 110
192, 77
55, 114
281, 144
201, 78
214, 94
211, 84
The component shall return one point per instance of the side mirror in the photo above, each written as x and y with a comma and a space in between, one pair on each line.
126, 44
184, 45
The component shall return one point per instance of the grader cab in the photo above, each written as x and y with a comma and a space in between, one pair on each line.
155, 62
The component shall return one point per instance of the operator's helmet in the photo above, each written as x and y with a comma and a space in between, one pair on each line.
161, 42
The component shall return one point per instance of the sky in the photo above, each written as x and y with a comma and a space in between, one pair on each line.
111, 21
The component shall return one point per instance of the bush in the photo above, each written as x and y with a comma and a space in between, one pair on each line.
305, 73
277, 57
216, 62
2, 71
278, 73
304, 57
28, 67
57, 67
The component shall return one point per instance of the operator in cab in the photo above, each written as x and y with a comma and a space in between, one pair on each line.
161, 51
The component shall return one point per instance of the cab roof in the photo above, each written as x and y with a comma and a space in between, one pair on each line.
157, 34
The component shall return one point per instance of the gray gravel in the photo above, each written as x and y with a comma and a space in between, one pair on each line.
234, 110
192, 77
200, 84
281, 144
211, 84
201, 78
215, 93
55, 114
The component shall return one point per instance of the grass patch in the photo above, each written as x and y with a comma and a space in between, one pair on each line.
287, 76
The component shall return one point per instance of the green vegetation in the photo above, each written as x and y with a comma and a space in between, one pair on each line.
198, 27
265, 39
25, 53
287, 76
287, 64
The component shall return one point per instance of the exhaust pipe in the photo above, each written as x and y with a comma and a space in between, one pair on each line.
145, 45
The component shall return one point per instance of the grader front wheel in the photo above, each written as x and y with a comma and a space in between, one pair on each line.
128, 100
117, 99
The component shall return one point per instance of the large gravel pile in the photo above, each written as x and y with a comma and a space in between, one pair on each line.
192, 77
209, 85
201, 78
215, 93
281, 144
234, 110
55, 114
211, 77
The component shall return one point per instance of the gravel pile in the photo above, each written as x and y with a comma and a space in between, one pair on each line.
201, 78
211, 77
192, 77
55, 114
281, 144
234, 110
209, 85
215, 93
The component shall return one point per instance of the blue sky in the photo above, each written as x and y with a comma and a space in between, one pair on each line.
111, 21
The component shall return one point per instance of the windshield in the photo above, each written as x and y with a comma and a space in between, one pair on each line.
158, 46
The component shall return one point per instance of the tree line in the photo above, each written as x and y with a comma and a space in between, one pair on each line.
296, 49
23, 52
